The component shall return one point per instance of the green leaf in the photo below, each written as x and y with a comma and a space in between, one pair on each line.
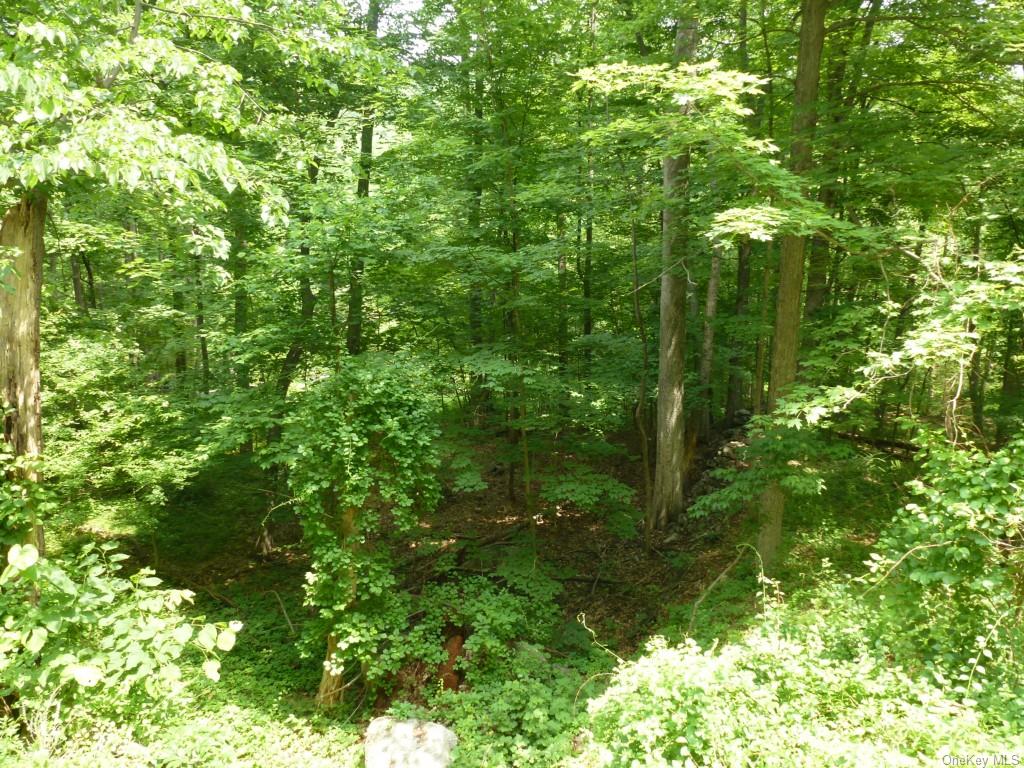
226, 640
211, 668
85, 675
36, 640
182, 633
207, 637
22, 556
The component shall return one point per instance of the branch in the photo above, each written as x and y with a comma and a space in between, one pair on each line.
897, 564
712, 585
877, 442
230, 19
274, 31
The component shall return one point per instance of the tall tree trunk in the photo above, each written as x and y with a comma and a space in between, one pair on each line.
332, 687
21, 271
354, 331
976, 375
757, 400
204, 351
285, 377
238, 266
707, 353
844, 78
91, 280
478, 395
734, 395
734, 399
1010, 391
587, 275
563, 296
976, 386
668, 498
332, 298
785, 343
588, 287
817, 270
180, 355
76, 284
641, 404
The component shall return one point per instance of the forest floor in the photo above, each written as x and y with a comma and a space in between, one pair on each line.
262, 711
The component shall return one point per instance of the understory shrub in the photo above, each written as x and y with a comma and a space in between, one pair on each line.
951, 568
799, 688
79, 641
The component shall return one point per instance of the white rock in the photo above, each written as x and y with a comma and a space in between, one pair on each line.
392, 743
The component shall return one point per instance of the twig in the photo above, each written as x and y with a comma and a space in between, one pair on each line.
209, 590
897, 564
291, 627
970, 678
232, 19
582, 619
357, 707
712, 585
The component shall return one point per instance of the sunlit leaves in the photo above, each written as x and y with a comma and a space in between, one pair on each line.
22, 556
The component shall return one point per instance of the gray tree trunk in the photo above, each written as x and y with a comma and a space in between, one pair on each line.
668, 499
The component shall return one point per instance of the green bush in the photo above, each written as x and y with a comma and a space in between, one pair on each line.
799, 688
951, 567
78, 635
361, 465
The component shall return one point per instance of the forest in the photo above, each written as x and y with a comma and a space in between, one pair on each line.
508, 383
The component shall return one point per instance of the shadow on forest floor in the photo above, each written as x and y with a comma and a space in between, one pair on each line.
205, 541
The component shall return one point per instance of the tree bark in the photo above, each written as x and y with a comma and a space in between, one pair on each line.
668, 498
354, 325
238, 266
1010, 390
204, 351
707, 353
76, 284
976, 376
587, 273
735, 399
846, 67
332, 687
763, 341
817, 270
180, 355
588, 287
562, 342
22, 250
91, 280
641, 405
785, 343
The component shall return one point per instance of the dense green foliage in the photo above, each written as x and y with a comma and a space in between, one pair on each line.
356, 326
